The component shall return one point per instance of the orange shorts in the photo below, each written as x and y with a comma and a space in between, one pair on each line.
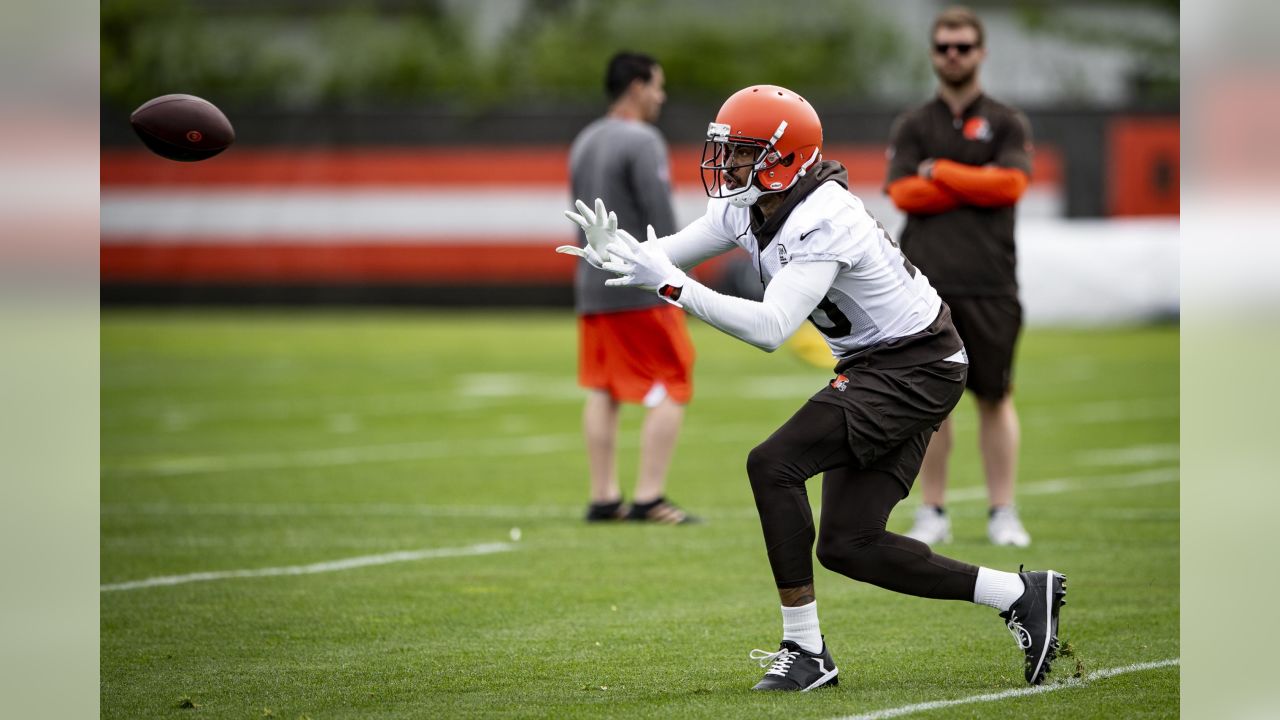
637, 356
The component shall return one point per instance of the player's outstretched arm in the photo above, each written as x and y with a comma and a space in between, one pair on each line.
790, 298
695, 244
686, 248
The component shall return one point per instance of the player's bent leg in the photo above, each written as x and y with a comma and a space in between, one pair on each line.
853, 540
813, 440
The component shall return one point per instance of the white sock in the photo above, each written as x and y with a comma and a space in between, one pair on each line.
800, 626
997, 589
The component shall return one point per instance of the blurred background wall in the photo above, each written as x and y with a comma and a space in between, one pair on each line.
415, 151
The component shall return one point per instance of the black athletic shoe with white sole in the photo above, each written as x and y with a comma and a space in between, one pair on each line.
1033, 620
795, 669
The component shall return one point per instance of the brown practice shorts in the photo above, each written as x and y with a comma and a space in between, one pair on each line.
890, 413
989, 327
628, 353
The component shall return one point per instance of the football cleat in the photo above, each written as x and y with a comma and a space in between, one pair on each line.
795, 669
1004, 527
931, 527
1033, 620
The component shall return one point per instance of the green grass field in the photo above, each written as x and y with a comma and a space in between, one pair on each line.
251, 441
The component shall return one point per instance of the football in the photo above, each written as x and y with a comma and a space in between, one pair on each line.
182, 127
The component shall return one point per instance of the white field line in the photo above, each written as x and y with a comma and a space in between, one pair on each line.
400, 452
353, 455
1132, 455
1020, 692
422, 404
1109, 411
475, 391
500, 446
320, 567
1053, 486
481, 391
518, 512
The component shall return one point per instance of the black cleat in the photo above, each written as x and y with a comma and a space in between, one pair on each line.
1033, 620
795, 669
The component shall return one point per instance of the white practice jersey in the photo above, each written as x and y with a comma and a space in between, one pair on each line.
877, 295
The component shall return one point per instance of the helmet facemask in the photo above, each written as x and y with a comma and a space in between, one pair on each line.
723, 156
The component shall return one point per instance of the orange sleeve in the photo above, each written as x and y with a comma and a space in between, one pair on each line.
981, 186
914, 194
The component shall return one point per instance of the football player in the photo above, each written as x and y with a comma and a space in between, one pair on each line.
901, 369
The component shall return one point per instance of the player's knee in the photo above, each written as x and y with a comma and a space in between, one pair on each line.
761, 463
830, 555
766, 467
851, 557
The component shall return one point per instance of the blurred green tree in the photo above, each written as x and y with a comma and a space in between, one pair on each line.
425, 52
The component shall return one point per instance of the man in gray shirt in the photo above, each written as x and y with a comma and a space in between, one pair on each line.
633, 346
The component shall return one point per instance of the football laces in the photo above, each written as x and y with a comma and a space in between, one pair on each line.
1019, 633
781, 660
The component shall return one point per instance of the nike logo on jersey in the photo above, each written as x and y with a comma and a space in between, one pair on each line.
805, 235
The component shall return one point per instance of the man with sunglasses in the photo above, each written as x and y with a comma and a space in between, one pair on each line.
957, 166
901, 368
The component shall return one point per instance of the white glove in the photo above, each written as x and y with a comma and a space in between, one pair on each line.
587, 253
601, 227
639, 265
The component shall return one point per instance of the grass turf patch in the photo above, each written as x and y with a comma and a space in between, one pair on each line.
251, 440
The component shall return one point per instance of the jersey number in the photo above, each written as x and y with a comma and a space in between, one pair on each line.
840, 325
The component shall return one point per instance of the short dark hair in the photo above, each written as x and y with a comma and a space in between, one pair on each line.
954, 17
624, 69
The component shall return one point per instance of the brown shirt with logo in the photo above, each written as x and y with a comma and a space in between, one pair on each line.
967, 251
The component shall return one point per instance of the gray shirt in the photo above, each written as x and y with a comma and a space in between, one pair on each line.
624, 163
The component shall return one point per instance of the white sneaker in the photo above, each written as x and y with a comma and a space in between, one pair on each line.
931, 527
1004, 527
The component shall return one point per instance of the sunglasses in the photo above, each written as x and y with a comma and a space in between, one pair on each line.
960, 48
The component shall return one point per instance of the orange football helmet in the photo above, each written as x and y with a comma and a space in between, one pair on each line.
770, 128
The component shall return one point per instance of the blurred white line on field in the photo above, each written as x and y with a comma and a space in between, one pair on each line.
1053, 486
1043, 487
320, 567
1133, 455
1114, 411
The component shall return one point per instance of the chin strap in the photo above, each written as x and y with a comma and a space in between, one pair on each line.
747, 197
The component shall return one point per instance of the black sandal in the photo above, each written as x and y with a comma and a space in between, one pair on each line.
661, 512
606, 511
